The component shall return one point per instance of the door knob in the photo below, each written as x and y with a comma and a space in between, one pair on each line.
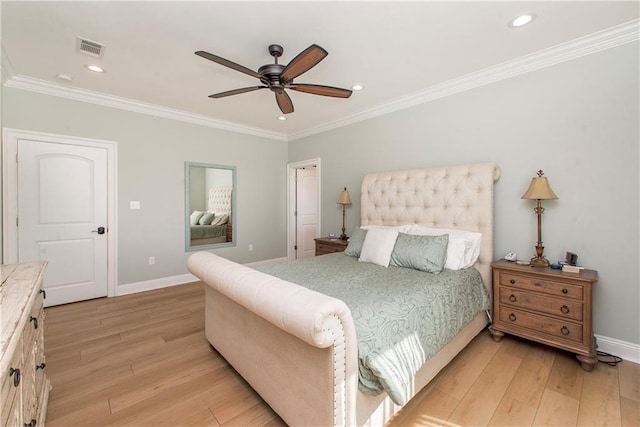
99, 230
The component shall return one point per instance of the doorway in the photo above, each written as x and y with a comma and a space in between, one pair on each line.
303, 207
59, 206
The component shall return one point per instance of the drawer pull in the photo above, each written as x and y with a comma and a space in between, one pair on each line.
15, 373
564, 330
512, 298
41, 366
565, 291
536, 284
512, 317
564, 309
44, 293
35, 321
512, 281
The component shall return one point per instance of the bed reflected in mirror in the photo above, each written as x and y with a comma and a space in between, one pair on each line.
210, 194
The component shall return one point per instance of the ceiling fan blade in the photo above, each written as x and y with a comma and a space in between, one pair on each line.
302, 63
227, 63
284, 102
322, 90
236, 91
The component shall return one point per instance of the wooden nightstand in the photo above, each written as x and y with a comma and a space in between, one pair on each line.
326, 245
545, 305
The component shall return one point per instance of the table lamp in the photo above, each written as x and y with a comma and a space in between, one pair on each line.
344, 200
539, 190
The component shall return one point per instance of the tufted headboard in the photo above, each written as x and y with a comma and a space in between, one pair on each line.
456, 197
220, 200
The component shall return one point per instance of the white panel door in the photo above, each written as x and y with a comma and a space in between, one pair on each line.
62, 217
307, 211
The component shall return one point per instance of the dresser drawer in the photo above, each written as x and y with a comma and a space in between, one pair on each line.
560, 307
9, 392
567, 290
554, 327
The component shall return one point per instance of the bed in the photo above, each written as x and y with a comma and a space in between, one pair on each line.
213, 225
297, 347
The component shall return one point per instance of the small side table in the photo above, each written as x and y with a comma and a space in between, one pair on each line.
329, 245
545, 305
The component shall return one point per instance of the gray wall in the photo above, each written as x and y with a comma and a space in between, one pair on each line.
151, 156
577, 121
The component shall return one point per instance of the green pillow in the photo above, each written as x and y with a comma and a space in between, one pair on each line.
206, 219
355, 242
425, 253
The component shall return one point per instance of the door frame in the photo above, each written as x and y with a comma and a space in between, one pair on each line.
10, 139
291, 198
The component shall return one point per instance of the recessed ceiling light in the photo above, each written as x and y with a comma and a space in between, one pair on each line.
357, 87
65, 77
282, 118
522, 20
95, 68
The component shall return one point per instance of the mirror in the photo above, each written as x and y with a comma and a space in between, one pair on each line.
210, 206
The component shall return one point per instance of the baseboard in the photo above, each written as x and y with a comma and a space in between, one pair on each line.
626, 350
165, 282
149, 285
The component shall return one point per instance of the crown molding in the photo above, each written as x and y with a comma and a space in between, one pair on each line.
587, 45
6, 70
48, 88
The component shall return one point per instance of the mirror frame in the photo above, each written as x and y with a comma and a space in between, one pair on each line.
187, 208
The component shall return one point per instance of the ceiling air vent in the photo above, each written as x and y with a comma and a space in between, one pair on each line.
89, 47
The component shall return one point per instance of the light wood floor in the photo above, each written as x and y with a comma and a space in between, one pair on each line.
142, 360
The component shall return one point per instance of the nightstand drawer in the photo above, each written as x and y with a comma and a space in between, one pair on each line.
535, 301
541, 285
327, 245
555, 327
327, 249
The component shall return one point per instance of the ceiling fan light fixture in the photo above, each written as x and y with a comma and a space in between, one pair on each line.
357, 87
522, 20
95, 68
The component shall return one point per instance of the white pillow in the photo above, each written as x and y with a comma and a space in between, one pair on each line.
195, 217
220, 218
378, 246
464, 246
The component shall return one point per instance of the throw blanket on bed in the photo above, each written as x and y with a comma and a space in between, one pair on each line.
402, 316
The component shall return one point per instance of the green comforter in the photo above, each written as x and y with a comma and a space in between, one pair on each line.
402, 316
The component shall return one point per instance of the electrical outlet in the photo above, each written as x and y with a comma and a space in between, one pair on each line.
251, 247
134, 205
152, 260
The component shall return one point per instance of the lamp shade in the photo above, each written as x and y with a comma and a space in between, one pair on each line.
539, 189
344, 198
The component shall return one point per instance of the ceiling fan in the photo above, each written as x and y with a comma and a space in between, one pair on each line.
278, 77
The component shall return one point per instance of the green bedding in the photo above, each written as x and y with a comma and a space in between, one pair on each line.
402, 316
207, 231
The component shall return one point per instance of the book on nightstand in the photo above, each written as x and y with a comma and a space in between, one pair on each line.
571, 268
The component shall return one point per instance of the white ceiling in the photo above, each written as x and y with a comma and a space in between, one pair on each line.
395, 49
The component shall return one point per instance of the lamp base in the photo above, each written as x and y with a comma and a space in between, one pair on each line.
344, 237
537, 261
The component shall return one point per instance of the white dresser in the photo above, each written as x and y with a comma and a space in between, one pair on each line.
24, 385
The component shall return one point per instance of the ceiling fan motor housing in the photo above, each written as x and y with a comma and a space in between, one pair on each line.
271, 76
